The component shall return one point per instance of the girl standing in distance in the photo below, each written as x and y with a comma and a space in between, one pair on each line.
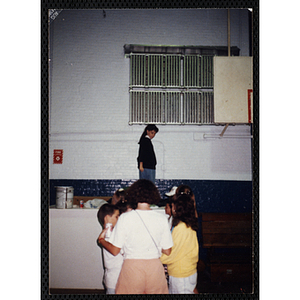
182, 262
147, 159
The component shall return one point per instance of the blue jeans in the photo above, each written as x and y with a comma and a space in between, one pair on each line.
148, 174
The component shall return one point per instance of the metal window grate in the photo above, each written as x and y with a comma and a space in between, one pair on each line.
198, 71
206, 71
172, 102
207, 109
146, 107
154, 103
171, 107
191, 71
155, 70
138, 70
191, 108
159, 86
198, 108
172, 71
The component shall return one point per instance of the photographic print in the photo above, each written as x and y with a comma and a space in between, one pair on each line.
140, 102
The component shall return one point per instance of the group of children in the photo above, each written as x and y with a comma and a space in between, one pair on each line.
143, 240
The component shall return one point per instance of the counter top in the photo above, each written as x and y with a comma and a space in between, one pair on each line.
84, 208
77, 211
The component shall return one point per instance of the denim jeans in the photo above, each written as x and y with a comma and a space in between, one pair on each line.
148, 174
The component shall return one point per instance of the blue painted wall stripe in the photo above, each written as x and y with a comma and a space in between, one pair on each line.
211, 195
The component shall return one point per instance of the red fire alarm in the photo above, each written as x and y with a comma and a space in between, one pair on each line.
57, 156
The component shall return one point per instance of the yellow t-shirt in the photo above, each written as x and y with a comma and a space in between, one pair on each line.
182, 262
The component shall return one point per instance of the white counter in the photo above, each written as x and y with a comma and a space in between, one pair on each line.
75, 259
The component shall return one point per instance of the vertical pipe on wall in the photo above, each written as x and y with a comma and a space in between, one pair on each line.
228, 30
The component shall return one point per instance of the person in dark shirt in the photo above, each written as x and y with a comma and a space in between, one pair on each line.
147, 159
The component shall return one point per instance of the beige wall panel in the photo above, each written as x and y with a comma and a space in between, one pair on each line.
233, 77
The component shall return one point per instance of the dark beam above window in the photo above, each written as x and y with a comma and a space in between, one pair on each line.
184, 50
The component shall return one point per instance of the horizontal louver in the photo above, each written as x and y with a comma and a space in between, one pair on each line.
159, 89
171, 107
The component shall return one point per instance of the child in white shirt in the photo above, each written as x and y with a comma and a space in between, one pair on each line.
109, 213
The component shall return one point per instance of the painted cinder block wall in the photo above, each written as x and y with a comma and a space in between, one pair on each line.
89, 107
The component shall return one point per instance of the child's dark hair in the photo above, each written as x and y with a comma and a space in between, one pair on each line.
104, 210
169, 201
120, 193
185, 212
123, 206
184, 190
149, 127
143, 191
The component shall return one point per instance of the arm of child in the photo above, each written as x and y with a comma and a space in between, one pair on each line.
166, 251
178, 244
108, 246
141, 168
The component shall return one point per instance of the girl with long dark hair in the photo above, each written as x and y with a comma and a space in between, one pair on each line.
184, 189
146, 158
182, 262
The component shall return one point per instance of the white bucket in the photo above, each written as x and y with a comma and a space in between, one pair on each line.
64, 196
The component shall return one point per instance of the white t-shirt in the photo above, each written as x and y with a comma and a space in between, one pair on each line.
113, 265
131, 235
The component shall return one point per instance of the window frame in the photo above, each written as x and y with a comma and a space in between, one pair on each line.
171, 85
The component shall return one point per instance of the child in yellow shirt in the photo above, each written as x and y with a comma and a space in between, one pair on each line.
182, 262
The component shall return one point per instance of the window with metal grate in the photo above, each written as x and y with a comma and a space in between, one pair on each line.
171, 89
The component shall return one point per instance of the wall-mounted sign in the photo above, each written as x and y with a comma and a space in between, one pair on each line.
57, 156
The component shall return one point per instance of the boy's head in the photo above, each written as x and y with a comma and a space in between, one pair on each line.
108, 213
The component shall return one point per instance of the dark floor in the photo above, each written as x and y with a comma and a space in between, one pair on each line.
228, 283
204, 286
75, 292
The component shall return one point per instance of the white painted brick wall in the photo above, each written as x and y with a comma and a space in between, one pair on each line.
89, 99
